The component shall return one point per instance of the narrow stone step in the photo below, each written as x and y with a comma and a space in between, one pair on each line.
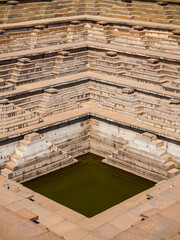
169, 165
173, 172
11, 165
7, 173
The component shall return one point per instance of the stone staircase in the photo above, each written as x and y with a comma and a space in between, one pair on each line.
174, 13
127, 35
55, 101
34, 157
78, 144
172, 86
146, 12
28, 103
6, 70
106, 63
144, 38
33, 10
13, 118
119, 9
6, 151
37, 10
98, 32
145, 156
26, 71
146, 70
124, 101
70, 63
165, 116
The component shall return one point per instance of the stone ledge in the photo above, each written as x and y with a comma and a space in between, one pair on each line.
56, 20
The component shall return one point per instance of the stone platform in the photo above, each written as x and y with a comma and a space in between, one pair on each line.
155, 208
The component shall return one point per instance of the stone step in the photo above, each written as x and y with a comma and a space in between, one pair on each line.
168, 110
140, 156
19, 71
11, 113
43, 158
12, 165
7, 173
20, 124
157, 124
169, 165
134, 73
73, 71
44, 169
143, 79
32, 80
135, 169
26, 99
157, 116
16, 118
173, 172
32, 75
96, 68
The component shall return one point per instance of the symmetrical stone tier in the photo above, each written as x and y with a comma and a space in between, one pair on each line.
137, 68
156, 11
157, 37
95, 76
140, 153
152, 111
143, 154
90, 76
33, 157
145, 109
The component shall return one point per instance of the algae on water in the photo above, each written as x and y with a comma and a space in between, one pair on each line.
90, 186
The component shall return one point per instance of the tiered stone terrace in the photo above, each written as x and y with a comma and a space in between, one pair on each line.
98, 76
155, 11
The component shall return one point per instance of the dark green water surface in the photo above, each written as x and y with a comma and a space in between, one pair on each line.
89, 186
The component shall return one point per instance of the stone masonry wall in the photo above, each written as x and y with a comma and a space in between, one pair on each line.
138, 152
160, 11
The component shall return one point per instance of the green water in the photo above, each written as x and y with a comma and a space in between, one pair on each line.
90, 186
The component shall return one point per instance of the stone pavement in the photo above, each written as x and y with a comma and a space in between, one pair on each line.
134, 218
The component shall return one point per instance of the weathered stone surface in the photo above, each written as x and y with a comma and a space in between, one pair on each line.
106, 81
24, 212
32, 137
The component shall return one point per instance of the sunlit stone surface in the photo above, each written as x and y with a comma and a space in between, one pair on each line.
90, 76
